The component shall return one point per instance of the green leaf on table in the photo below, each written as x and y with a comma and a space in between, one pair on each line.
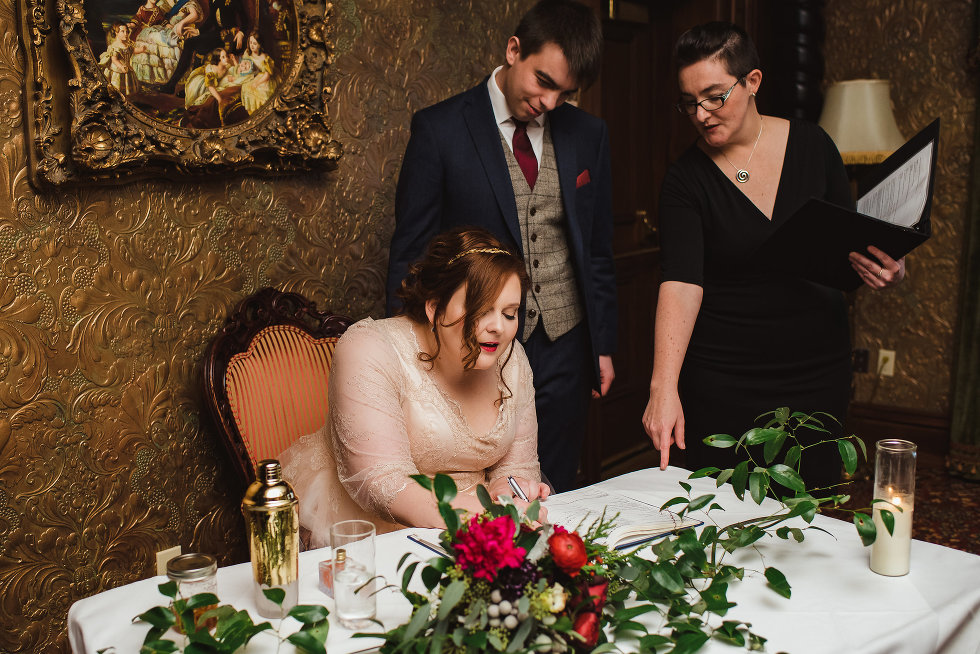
699, 502
777, 581
674, 501
667, 576
308, 613
739, 477
724, 476
158, 647
168, 588
848, 455
703, 472
690, 642
720, 440
865, 527
444, 488
307, 641
274, 595
517, 641
477, 640
419, 618
888, 519
757, 436
160, 617
407, 575
450, 598
757, 486
715, 598
792, 456
772, 447
449, 516
788, 477
431, 576
729, 633
685, 486
533, 511
782, 414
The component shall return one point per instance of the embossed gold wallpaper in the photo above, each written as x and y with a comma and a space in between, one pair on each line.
922, 46
108, 297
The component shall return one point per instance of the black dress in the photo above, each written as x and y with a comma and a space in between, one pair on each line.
763, 338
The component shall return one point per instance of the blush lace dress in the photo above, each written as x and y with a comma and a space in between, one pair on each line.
389, 419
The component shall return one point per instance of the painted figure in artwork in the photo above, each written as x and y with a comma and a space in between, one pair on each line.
259, 83
163, 38
116, 59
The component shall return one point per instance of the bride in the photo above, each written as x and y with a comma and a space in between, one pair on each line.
444, 387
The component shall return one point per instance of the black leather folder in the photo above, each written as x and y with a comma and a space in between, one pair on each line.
814, 242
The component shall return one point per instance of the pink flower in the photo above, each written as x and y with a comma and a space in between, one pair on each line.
484, 547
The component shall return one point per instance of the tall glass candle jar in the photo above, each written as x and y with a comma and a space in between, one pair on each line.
895, 486
272, 516
194, 574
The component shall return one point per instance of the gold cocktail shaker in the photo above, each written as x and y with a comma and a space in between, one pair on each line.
272, 517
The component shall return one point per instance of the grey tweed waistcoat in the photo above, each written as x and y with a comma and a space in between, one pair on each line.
553, 298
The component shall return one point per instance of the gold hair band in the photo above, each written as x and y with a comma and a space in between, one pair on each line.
481, 250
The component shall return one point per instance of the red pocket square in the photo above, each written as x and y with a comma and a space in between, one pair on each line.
582, 179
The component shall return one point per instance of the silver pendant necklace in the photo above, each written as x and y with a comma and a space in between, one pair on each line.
741, 174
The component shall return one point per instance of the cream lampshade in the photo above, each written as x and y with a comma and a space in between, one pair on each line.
857, 114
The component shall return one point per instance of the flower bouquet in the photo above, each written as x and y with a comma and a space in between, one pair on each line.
510, 584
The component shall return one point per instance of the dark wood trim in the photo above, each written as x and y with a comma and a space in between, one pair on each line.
929, 430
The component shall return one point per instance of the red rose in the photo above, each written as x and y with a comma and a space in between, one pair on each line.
587, 626
568, 551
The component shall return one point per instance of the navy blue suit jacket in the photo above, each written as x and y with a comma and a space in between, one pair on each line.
455, 173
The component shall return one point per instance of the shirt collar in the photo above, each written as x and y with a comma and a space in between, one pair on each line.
498, 102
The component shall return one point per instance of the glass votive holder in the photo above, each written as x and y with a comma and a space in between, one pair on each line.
194, 574
895, 486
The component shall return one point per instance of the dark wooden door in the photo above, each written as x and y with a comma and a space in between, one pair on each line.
635, 95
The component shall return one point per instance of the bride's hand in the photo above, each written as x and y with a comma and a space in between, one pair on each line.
532, 489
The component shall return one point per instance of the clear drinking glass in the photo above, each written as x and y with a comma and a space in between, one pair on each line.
895, 484
353, 573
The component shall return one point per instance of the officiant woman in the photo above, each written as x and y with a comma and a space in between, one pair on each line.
734, 339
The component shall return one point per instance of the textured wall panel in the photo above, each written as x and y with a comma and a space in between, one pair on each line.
922, 46
108, 298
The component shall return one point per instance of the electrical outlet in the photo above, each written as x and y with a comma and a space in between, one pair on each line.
859, 359
886, 363
163, 556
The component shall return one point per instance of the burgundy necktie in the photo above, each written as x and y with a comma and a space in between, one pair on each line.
524, 153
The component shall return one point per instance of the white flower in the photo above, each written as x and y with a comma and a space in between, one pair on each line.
554, 598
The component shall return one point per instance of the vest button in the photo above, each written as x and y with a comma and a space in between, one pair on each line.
537, 288
531, 313
535, 263
533, 211
534, 237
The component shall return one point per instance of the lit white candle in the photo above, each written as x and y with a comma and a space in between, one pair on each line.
890, 552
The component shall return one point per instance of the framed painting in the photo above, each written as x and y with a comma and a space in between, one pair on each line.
175, 88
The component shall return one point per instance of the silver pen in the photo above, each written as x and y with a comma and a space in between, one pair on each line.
518, 491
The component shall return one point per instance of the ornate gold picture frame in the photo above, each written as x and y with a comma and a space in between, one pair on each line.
117, 89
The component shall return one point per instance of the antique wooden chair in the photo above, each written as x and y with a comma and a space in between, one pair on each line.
266, 375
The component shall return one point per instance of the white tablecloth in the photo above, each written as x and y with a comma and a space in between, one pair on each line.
838, 605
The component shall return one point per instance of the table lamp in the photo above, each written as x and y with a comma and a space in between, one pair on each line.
857, 114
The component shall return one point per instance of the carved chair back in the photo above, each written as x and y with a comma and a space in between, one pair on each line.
266, 375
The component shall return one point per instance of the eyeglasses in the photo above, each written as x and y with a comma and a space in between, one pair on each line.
714, 103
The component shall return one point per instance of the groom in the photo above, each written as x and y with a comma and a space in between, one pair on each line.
511, 156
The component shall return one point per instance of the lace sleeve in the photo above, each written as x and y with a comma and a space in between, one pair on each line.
370, 437
521, 460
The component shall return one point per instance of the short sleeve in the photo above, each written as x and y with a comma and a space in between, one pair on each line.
681, 230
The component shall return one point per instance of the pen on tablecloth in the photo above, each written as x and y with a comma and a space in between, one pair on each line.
518, 491
438, 549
